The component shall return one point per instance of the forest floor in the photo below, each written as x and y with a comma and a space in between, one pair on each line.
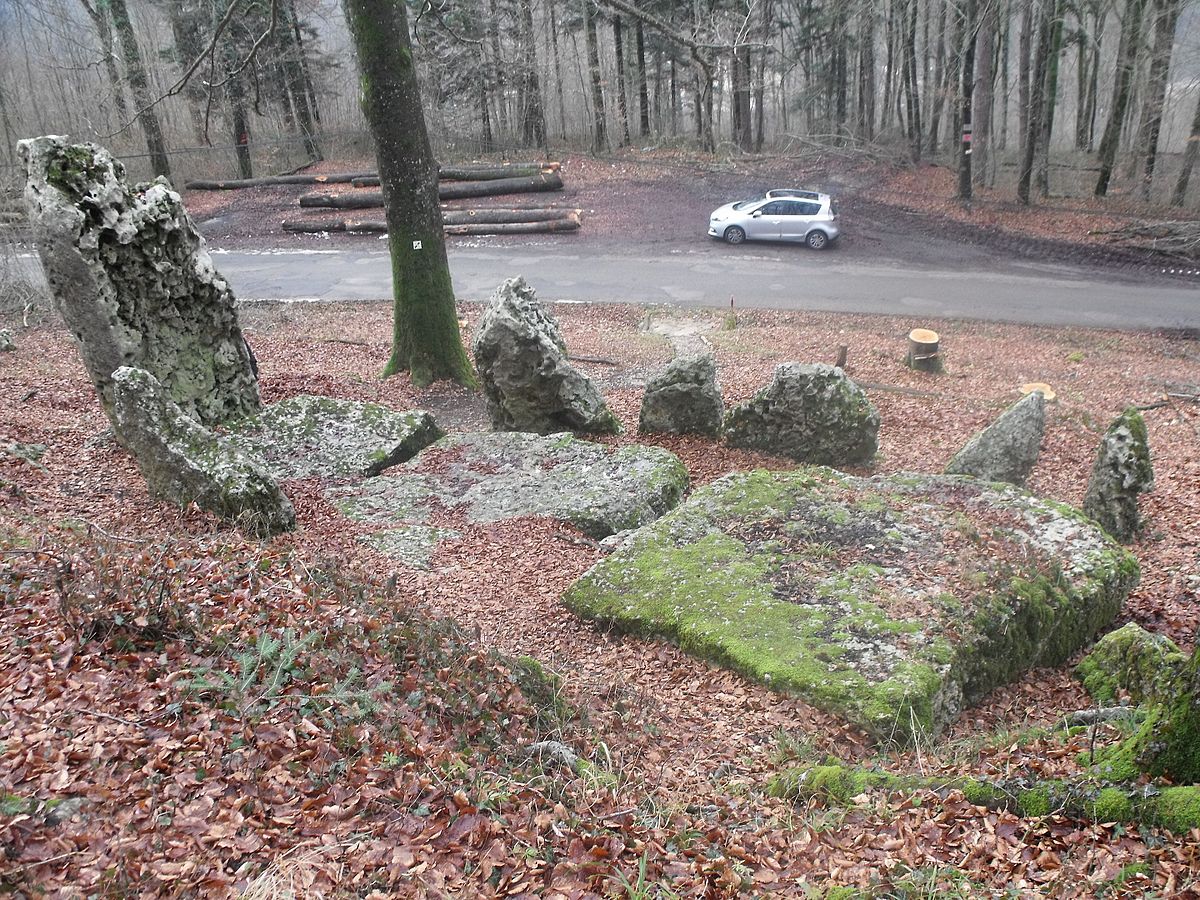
154, 741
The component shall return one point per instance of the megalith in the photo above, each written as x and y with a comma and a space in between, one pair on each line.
1121, 472
1006, 450
684, 398
184, 462
809, 413
527, 380
132, 279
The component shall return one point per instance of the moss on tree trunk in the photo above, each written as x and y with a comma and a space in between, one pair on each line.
426, 341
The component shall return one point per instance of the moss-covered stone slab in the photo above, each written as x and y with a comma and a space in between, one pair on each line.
893, 601
1146, 666
324, 436
494, 476
184, 462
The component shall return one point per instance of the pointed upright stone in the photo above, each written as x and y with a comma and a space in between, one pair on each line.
1121, 472
1006, 450
527, 380
132, 279
684, 398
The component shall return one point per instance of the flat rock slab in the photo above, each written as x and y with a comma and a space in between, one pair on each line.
309, 436
493, 476
893, 601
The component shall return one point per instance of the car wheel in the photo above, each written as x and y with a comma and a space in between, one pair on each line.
817, 239
734, 235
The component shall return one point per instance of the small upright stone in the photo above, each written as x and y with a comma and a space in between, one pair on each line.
809, 413
132, 279
184, 462
1006, 450
7, 344
1121, 472
527, 381
684, 398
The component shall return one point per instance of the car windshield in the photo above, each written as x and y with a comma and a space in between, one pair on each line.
742, 204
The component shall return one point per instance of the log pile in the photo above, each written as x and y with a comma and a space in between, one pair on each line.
455, 190
1177, 239
459, 222
371, 179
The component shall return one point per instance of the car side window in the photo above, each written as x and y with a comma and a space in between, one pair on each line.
807, 209
774, 208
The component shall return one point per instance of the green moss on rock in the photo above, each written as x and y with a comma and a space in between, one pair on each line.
790, 580
1132, 660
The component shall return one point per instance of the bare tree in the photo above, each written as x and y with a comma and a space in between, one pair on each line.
1165, 19
135, 72
426, 341
1127, 52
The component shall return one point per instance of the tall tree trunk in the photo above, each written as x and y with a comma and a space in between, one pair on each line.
487, 139
760, 75
889, 65
552, 18
912, 99
643, 90
1156, 90
743, 134
99, 17
310, 91
292, 55
533, 111
1050, 95
985, 83
426, 340
1127, 53
1002, 53
622, 109
1037, 85
1024, 55
866, 75
939, 70
600, 120
135, 72
1190, 155
967, 91
499, 70
1093, 82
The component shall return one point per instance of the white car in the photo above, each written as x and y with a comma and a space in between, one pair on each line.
813, 221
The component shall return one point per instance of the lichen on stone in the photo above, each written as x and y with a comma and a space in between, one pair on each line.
1132, 661
506, 475
1121, 472
866, 596
309, 436
132, 278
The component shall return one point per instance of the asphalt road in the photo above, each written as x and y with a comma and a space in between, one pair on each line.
762, 276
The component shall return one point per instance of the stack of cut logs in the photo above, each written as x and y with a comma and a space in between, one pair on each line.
454, 183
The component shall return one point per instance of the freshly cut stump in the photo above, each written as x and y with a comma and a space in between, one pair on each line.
893, 601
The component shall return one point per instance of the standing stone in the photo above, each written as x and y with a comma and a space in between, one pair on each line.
185, 462
684, 398
522, 362
1006, 450
132, 279
1121, 472
7, 344
809, 413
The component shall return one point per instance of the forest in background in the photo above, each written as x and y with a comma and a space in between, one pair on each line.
222, 87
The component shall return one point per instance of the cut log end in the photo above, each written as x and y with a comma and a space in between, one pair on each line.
924, 354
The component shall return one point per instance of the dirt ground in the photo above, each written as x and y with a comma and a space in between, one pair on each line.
660, 203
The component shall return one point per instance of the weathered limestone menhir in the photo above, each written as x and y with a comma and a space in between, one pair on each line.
684, 398
1006, 450
809, 413
185, 462
132, 278
1121, 472
527, 381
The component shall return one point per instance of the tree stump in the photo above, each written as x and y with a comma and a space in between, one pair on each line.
923, 352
